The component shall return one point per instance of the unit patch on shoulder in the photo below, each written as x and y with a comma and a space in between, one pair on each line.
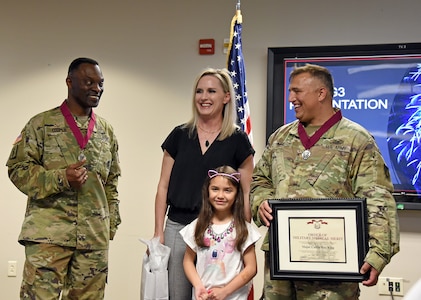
18, 139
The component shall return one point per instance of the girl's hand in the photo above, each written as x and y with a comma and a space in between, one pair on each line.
201, 293
217, 293
203, 296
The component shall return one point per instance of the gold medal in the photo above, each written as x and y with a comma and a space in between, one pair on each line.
306, 154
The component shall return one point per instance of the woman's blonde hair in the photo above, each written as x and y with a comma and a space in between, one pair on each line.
229, 114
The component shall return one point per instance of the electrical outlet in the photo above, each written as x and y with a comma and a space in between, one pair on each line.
390, 284
11, 268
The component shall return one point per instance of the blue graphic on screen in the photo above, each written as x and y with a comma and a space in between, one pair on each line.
405, 139
383, 94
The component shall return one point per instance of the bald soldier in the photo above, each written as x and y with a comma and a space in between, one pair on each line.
323, 155
65, 160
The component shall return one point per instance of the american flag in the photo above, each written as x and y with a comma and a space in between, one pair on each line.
237, 70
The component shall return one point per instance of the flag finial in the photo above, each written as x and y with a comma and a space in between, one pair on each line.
238, 12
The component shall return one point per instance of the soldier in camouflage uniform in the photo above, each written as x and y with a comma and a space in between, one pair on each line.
343, 162
66, 161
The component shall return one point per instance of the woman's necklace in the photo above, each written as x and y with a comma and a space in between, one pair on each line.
208, 135
220, 236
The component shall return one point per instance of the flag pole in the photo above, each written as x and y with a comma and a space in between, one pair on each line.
238, 18
235, 66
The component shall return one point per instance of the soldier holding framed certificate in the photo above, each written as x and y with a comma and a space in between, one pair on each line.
323, 155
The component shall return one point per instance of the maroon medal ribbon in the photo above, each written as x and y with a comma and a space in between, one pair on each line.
309, 142
81, 140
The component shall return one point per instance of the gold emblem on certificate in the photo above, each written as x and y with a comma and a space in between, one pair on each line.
306, 154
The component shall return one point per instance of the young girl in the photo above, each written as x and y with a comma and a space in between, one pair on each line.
220, 258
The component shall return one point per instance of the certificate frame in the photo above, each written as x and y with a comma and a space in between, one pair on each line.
318, 239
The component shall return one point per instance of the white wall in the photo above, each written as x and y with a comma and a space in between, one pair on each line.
148, 51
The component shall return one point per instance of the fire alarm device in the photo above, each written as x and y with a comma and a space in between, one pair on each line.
206, 46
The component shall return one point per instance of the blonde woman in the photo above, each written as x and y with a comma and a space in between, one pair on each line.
210, 139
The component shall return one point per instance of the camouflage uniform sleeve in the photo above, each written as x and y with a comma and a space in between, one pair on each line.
262, 187
112, 192
25, 168
372, 181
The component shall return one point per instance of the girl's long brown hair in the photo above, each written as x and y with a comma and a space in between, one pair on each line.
206, 212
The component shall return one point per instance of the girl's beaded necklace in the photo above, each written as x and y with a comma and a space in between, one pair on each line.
220, 236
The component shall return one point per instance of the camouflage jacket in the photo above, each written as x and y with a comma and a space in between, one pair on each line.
344, 163
56, 213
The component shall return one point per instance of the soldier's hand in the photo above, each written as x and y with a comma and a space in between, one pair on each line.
265, 213
373, 274
77, 174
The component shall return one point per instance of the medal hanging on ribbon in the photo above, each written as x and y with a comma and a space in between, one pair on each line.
306, 154
309, 142
81, 140
81, 155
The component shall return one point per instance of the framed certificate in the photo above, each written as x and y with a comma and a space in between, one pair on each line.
318, 239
